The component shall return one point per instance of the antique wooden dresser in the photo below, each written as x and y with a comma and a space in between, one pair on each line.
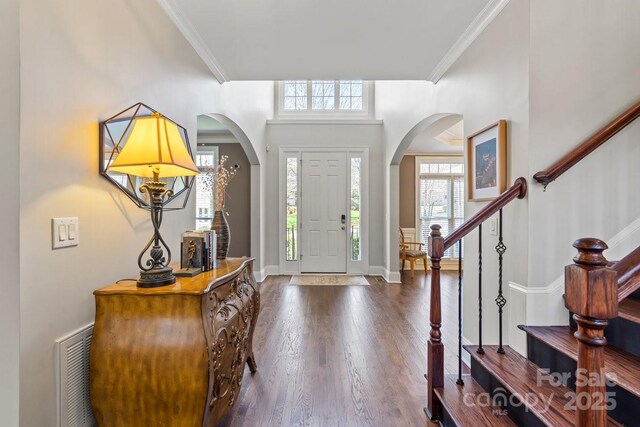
173, 355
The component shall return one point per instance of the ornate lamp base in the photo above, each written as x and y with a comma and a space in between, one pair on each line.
156, 277
158, 273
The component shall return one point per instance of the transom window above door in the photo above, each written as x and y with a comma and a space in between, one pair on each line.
324, 98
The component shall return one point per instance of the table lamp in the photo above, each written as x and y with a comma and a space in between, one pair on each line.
155, 149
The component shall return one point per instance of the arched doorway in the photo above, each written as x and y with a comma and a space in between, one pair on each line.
219, 135
426, 181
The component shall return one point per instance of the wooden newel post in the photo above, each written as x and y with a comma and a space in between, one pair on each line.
435, 348
591, 293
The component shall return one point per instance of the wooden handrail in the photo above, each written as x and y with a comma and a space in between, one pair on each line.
517, 190
628, 269
437, 246
583, 150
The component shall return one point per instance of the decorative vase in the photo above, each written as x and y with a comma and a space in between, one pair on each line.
223, 235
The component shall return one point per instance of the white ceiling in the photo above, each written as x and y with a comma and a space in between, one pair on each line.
207, 124
443, 137
330, 39
211, 131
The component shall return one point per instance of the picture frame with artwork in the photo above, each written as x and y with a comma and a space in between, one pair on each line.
487, 162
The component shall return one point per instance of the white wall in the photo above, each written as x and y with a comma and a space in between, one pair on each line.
82, 62
489, 82
585, 70
584, 64
249, 105
245, 107
320, 135
556, 72
10, 213
402, 104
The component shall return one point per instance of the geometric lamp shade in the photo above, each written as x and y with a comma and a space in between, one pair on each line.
114, 134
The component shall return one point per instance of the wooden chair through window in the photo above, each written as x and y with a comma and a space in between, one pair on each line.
412, 251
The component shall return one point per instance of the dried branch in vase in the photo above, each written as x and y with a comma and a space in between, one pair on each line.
217, 179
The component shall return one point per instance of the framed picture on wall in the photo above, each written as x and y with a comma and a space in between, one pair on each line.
487, 162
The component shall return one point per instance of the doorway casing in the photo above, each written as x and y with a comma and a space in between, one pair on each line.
287, 152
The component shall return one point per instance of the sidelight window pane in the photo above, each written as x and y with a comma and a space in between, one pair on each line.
356, 178
292, 209
205, 161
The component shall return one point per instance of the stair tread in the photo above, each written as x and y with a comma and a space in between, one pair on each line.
620, 366
455, 400
629, 308
519, 376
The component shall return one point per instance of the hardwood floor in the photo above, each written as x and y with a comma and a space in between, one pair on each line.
343, 355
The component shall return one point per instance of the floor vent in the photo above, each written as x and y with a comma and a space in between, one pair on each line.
72, 374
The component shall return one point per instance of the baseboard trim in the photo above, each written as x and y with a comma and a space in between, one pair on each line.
376, 270
445, 265
267, 270
535, 307
392, 276
466, 357
388, 276
544, 306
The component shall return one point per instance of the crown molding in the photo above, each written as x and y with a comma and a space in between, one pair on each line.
434, 155
216, 138
320, 121
194, 39
477, 26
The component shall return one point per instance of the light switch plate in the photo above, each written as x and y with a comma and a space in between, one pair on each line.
493, 226
64, 232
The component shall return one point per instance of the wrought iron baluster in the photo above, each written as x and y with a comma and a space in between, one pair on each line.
500, 299
459, 381
480, 350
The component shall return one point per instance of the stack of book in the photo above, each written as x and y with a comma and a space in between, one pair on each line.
198, 250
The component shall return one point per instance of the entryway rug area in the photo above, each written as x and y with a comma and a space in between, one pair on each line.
328, 280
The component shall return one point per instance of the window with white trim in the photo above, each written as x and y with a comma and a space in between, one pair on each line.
440, 198
206, 160
323, 98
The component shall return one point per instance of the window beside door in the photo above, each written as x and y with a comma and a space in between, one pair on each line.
206, 159
291, 208
292, 194
440, 187
355, 207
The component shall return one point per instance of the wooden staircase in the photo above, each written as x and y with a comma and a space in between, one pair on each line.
539, 390
572, 375
586, 373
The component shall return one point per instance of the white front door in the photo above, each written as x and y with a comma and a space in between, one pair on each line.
324, 210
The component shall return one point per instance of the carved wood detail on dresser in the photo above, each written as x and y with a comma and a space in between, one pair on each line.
173, 355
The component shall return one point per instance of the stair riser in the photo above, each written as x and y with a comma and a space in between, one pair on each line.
627, 409
621, 333
446, 420
517, 412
